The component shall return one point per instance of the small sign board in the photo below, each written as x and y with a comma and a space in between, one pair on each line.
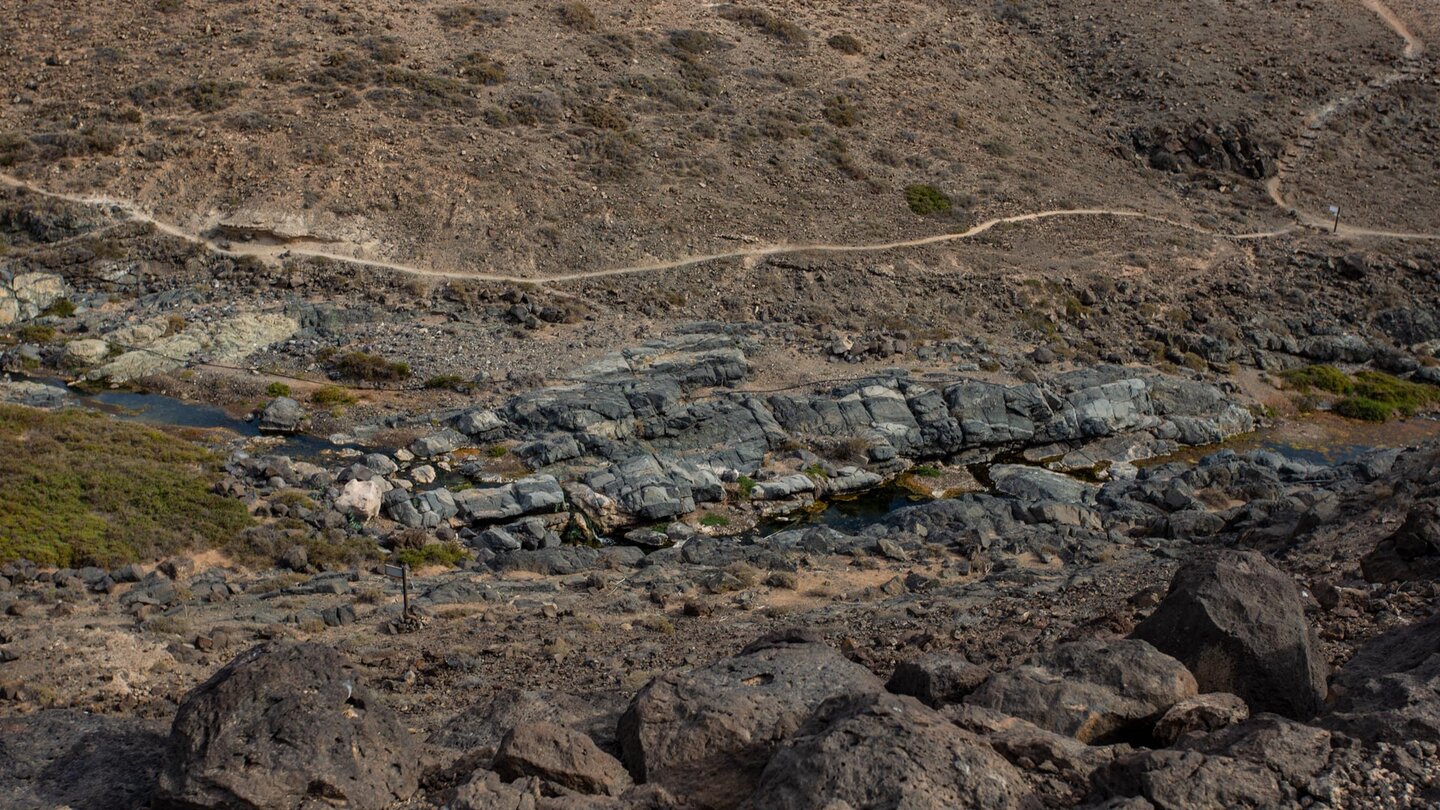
395, 571
1334, 209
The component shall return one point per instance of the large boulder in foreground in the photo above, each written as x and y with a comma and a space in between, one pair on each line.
884, 750
1238, 623
287, 726
706, 735
1096, 691
1390, 690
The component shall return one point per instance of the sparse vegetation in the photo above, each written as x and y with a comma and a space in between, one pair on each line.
1325, 378
210, 95
477, 68
449, 382
846, 44
765, 21
577, 15
746, 485
841, 111
277, 389
83, 488
714, 520
35, 333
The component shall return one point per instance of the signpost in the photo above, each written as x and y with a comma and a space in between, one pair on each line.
1335, 209
402, 573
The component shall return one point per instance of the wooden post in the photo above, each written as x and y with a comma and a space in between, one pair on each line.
1335, 209
405, 589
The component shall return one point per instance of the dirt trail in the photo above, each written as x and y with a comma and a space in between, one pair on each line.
1300, 148
275, 252
1297, 151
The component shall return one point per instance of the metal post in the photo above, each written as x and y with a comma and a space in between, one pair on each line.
405, 589
1335, 209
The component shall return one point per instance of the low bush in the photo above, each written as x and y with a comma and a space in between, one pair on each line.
447, 554
577, 15
766, 22
841, 111
925, 200
60, 308
332, 396
277, 389
364, 367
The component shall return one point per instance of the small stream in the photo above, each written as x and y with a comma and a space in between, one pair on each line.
166, 411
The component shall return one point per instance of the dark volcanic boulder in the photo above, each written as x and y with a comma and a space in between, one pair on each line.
1239, 625
287, 726
1181, 780
1390, 690
884, 750
1267, 761
1096, 691
937, 679
706, 735
562, 757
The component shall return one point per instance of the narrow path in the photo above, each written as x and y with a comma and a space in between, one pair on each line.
1297, 151
1300, 148
274, 252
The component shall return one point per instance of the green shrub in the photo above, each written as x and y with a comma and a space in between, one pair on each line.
1364, 408
332, 396
925, 471
84, 488
277, 389
452, 382
925, 200
1403, 396
1325, 378
60, 308
714, 520
448, 554
746, 485
35, 333
364, 367
497, 451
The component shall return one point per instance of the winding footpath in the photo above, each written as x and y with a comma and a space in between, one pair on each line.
1298, 150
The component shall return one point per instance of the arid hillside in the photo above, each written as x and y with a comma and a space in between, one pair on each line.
535, 138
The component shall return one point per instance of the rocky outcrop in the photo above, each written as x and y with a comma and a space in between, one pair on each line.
707, 734
1411, 553
883, 750
281, 726
1229, 148
1239, 624
26, 295
226, 341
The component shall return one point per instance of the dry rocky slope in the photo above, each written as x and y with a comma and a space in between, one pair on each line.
625, 489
